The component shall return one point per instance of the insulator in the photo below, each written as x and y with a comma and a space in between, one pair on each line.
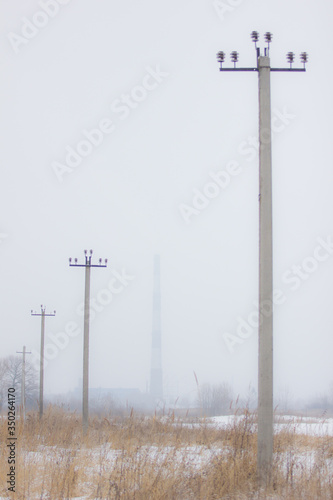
304, 57
268, 37
255, 36
290, 57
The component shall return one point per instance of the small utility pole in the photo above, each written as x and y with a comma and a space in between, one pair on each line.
41, 374
85, 396
265, 355
24, 352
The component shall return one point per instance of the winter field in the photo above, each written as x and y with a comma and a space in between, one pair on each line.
165, 457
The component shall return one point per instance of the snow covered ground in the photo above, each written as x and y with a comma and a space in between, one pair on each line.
301, 425
195, 456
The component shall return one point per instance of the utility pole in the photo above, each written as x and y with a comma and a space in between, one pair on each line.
85, 396
24, 352
265, 352
41, 372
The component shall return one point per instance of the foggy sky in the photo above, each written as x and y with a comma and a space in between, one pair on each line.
145, 73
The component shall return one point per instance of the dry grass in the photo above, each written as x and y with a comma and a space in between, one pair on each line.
160, 458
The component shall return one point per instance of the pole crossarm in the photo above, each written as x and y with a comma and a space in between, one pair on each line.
88, 261
265, 327
234, 56
289, 69
238, 69
41, 314
272, 69
88, 265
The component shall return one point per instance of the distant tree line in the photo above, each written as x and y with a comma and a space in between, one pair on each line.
215, 399
11, 376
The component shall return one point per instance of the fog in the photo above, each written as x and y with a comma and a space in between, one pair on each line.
145, 75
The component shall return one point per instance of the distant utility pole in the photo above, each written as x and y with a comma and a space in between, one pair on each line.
85, 397
265, 365
41, 373
24, 352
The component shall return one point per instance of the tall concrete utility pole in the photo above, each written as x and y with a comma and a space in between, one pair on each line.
41, 372
24, 352
85, 396
156, 378
265, 354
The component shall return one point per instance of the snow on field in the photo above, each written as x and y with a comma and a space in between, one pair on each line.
196, 456
300, 425
306, 425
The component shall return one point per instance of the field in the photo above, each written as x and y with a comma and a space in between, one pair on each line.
164, 457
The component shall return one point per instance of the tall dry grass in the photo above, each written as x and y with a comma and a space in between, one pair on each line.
145, 458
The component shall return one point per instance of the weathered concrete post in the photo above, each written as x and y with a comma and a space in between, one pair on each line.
85, 395
265, 374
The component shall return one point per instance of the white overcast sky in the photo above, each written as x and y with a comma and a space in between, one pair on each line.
123, 200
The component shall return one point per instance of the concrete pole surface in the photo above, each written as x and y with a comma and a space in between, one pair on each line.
23, 384
265, 368
41, 375
85, 395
